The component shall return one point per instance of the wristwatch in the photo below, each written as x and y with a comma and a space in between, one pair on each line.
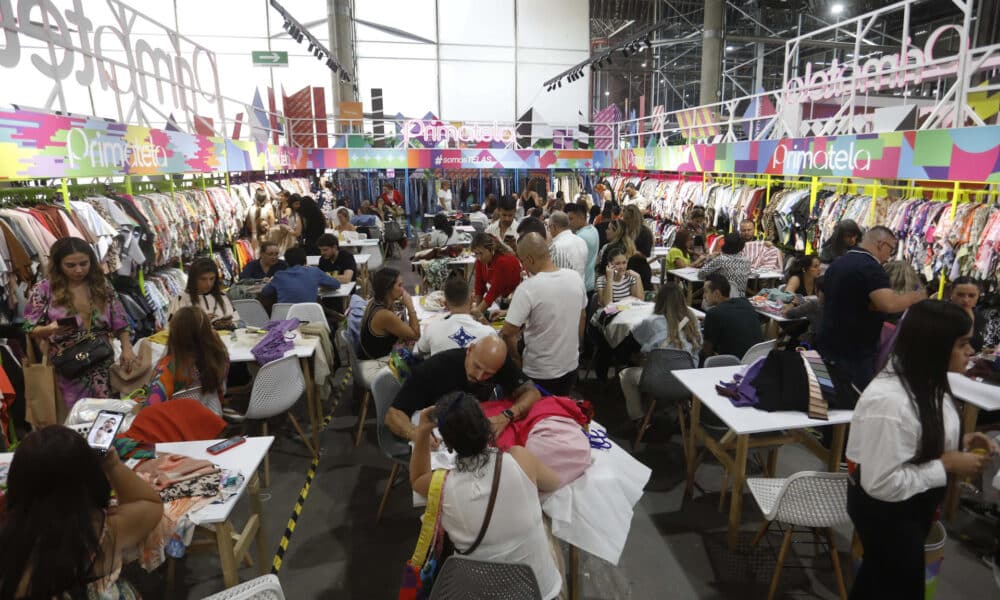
509, 414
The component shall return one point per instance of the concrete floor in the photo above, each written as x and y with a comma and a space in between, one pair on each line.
676, 549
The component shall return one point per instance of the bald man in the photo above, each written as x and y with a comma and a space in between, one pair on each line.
549, 309
477, 370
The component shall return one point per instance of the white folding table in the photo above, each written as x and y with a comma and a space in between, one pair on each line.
974, 396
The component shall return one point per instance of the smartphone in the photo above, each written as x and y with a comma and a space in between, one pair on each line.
226, 444
103, 430
66, 322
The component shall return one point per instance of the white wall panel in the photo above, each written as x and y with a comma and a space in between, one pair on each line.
477, 91
489, 23
408, 87
553, 24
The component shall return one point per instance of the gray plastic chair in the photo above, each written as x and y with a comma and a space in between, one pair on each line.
266, 587
280, 310
722, 360
658, 382
251, 312
352, 354
308, 311
208, 400
384, 390
758, 350
467, 579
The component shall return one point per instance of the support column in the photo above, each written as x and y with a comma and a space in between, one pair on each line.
344, 13
711, 53
331, 29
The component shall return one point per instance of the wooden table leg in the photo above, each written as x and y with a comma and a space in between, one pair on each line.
970, 414
227, 553
260, 537
690, 442
836, 448
314, 419
738, 477
574, 572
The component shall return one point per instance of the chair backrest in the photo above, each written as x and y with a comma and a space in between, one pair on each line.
263, 588
758, 350
385, 386
352, 352
658, 379
308, 311
209, 400
251, 312
479, 226
813, 499
463, 578
280, 310
722, 360
278, 385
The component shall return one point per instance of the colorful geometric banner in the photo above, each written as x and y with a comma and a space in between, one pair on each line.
40, 145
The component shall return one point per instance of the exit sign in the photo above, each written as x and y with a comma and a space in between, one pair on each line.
269, 58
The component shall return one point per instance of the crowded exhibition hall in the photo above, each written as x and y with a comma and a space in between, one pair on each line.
500, 299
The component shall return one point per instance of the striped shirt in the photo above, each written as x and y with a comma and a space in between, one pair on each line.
619, 289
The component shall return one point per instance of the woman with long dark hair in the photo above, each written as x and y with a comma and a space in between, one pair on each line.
312, 223
59, 535
76, 290
516, 532
846, 235
496, 266
381, 327
803, 275
903, 443
204, 290
196, 357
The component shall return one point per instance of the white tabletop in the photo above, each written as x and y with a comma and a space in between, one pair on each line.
465, 228
633, 313
981, 395
343, 291
244, 458
777, 317
686, 273
766, 274
362, 243
659, 251
747, 420
239, 350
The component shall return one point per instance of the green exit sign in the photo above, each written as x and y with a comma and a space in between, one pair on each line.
269, 58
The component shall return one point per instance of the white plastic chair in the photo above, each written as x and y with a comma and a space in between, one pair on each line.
758, 350
462, 578
208, 400
722, 360
276, 388
809, 499
280, 310
266, 587
358, 376
308, 311
251, 312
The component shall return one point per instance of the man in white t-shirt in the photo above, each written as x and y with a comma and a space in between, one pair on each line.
632, 196
457, 330
567, 250
444, 195
478, 216
549, 307
505, 226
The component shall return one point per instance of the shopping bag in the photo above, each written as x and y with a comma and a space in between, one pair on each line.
39, 389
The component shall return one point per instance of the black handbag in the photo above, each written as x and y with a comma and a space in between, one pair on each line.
88, 352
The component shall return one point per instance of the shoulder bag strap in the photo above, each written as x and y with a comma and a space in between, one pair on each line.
431, 514
489, 507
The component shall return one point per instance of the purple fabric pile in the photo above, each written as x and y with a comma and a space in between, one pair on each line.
274, 344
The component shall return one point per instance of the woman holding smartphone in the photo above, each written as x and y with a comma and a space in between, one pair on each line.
204, 290
71, 304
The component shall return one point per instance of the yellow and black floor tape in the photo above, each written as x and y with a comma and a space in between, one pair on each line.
286, 538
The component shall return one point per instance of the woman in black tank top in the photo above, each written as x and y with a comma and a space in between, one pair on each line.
381, 327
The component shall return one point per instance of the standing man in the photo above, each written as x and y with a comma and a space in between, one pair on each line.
858, 297
444, 196
568, 251
577, 214
504, 228
632, 196
549, 307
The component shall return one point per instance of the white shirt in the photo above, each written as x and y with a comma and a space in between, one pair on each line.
548, 306
569, 252
444, 199
885, 436
494, 229
453, 331
480, 217
639, 200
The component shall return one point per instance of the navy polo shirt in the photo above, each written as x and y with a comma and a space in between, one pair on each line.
851, 326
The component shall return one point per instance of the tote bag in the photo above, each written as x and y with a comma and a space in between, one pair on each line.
39, 389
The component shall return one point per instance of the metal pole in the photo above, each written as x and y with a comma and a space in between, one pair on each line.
711, 54
331, 29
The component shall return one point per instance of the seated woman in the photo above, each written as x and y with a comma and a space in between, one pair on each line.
498, 272
681, 254
381, 327
266, 265
965, 294
673, 326
617, 282
444, 232
60, 537
516, 532
344, 220
846, 235
803, 275
904, 442
204, 290
196, 357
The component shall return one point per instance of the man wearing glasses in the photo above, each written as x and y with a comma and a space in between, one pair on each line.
858, 297
267, 265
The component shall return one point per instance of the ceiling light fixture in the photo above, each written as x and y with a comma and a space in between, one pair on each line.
836, 9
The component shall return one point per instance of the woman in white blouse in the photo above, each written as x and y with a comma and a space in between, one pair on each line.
903, 444
204, 290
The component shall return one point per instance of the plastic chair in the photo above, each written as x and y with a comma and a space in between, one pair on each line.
280, 310
467, 579
478, 226
722, 360
276, 388
266, 587
758, 350
308, 311
251, 312
659, 383
813, 499
359, 381
384, 390
209, 400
